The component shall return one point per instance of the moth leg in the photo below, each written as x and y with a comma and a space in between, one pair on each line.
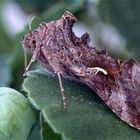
27, 68
62, 91
33, 59
25, 62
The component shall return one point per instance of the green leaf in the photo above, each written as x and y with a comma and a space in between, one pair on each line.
86, 117
46, 132
16, 115
35, 132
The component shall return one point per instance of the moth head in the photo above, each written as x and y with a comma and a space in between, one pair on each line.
29, 42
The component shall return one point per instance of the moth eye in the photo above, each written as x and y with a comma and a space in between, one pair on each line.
34, 42
62, 48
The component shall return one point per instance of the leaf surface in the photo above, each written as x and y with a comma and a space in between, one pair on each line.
86, 117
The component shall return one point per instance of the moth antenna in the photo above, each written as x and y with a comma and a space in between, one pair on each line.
25, 62
62, 91
30, 23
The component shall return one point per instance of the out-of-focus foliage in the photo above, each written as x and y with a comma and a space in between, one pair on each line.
35, 6
6, 43
125, 16
16, 115
5, 74
16, 60
39, 6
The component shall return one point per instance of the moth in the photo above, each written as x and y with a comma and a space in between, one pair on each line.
56, 47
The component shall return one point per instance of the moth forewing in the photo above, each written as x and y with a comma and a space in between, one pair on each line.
111, 79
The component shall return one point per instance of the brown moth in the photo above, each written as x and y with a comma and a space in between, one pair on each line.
60, 51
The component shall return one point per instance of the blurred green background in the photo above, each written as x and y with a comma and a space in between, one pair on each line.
114, 25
